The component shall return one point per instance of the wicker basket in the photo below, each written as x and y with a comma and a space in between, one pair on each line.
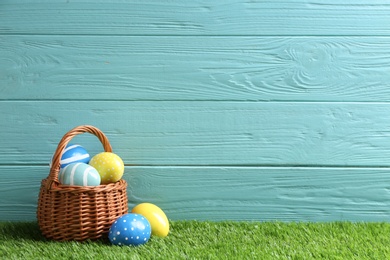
79, 212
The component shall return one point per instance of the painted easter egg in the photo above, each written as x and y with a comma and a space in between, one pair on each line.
156, 217
79, 174
74, 153
109, 165
130, 229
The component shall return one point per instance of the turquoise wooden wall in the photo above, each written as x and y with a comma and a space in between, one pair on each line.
221, 110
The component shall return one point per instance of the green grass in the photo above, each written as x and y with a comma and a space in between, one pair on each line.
214, 240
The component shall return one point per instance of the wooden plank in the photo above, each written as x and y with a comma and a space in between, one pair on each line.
195, 68
202, 17
229, 193
204, 133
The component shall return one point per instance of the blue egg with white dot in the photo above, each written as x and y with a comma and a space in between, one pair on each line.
74, 153
130, 229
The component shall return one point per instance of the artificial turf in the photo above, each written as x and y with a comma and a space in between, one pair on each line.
213, 240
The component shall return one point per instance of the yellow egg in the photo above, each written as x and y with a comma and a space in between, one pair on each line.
109, 166
156, 217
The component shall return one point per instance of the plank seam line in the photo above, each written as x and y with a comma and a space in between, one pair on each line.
357, 167
198, 100
199, 35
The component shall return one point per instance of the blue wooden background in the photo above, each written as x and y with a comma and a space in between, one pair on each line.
221, 110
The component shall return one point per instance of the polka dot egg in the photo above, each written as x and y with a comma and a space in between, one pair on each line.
109, 165
79, 174
74, 153
130, 229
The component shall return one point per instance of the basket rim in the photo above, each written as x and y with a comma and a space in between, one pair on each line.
58, 187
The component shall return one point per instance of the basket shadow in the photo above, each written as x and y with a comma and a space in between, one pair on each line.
21, 230
29, 231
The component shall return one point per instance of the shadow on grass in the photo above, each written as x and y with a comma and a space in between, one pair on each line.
29, 231
20, 230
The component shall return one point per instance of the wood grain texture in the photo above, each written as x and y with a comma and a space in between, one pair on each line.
230, 193
230, 110
204, 133
195, 68
232, 17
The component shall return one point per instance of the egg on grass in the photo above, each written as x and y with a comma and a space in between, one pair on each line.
156, 217
130, 229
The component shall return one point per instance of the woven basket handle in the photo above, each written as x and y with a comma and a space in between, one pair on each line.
55, 165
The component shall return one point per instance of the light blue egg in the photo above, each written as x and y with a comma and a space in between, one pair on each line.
79, 174
74, 153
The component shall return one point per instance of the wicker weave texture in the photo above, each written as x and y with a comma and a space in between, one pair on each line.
79, 212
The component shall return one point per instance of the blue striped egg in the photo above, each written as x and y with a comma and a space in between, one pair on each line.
79, 174
74, 153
